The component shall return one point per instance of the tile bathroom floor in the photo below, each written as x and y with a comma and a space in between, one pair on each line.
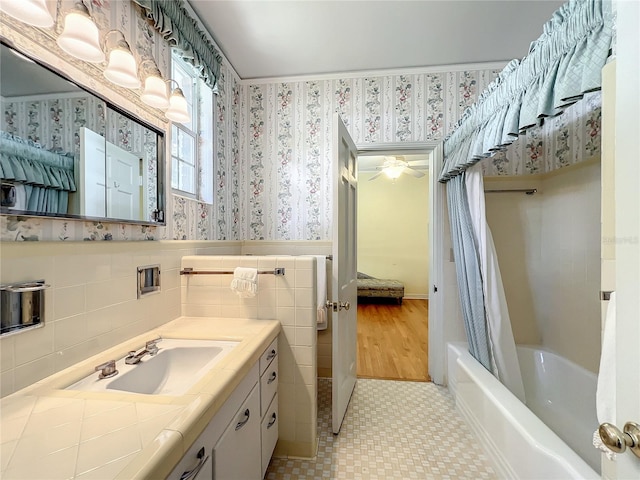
401, 430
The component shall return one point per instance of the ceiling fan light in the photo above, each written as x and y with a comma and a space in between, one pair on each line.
178, 110
394, 171
31, 12
80, 36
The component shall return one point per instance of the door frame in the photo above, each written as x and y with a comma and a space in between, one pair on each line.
437, 248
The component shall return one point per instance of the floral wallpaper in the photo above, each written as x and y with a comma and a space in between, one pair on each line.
288, 145
273, 145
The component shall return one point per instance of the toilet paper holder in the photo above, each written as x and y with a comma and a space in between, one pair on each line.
22, 305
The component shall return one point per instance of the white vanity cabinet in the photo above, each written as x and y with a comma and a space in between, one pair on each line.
239, 441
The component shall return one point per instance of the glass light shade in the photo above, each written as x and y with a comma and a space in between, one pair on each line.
122, 68
32, 12
394, 172
155, 92
178, 110
80, 36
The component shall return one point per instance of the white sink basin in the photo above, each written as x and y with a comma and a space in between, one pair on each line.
177, 366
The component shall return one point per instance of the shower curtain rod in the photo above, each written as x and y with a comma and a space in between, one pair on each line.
527, 191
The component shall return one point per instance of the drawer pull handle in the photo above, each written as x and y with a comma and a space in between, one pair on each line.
193, 472
272, 421
272, 355
242, 423
272, 378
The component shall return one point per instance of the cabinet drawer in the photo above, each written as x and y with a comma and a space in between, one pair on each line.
269, 433
269, 354
268, 386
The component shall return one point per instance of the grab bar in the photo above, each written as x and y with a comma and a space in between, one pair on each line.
191, 271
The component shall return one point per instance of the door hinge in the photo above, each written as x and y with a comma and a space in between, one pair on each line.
435, 289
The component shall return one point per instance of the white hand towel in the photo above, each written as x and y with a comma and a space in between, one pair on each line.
321, 291
245, 282
606, 388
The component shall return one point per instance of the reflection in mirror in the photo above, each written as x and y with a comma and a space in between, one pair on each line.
65, 152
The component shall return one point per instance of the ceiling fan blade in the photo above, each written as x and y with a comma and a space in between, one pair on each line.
412, 172
376, 176
419, 164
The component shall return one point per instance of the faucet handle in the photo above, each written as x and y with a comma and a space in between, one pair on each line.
107, 369
151, 346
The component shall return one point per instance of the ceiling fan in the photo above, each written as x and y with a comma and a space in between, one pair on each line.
393, 167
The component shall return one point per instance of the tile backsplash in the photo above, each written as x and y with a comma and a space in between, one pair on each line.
91, 304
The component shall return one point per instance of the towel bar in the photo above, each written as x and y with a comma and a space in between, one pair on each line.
191, 271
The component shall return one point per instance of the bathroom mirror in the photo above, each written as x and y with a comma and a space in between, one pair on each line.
66, 152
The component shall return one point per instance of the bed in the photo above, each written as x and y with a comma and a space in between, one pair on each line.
379, 288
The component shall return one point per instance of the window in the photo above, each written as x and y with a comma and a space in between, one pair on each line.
192, 144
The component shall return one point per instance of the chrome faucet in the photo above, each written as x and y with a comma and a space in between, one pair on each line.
107, 369
150, 348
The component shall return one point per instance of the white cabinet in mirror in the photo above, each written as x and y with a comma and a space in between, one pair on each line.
66, 152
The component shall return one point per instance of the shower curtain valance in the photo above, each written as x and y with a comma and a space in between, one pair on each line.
24, 161
562, 65
175, 24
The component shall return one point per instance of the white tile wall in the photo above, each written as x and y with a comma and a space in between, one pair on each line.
548, 247
92, 303
291, 299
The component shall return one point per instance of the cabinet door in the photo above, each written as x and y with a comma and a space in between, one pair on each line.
237, 455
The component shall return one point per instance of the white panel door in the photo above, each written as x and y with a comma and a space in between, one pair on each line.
123, 184
344, 283
627, 228
91, 174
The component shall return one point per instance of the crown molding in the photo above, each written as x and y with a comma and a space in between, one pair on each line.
377, 73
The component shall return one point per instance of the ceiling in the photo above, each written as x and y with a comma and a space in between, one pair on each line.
373, 163
280, 38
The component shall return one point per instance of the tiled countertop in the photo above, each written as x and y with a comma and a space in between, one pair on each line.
50, 433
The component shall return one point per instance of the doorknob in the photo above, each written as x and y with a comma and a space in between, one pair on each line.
618, 441
336, 306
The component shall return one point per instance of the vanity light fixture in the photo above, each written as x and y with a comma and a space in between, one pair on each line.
122, 68
155, 87
33, 12
178, 110
80, 36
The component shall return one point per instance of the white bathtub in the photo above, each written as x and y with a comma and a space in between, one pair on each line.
519, 443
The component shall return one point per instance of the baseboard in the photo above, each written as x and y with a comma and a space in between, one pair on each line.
417, 296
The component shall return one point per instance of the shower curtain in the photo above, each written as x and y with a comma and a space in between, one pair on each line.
500, 334
468, 273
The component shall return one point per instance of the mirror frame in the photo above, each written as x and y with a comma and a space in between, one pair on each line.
161, 154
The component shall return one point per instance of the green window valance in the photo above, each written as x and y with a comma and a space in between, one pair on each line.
563, 64
175, 24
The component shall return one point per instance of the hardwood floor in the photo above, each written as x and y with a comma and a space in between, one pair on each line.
392, 340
